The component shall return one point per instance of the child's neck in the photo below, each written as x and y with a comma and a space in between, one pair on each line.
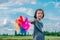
39, 19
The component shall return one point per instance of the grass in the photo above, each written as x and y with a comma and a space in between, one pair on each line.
52, 37
15, 37
27, 37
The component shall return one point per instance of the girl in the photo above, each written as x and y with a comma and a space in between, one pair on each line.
38, 25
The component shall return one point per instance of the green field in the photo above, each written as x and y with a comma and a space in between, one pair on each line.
27, 38
52, 37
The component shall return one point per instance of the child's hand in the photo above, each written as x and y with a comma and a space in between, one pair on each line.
31, 21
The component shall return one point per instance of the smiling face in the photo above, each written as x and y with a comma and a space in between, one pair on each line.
39, 15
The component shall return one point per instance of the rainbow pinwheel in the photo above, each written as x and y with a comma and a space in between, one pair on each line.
22, 23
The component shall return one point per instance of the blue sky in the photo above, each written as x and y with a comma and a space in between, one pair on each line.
12, 9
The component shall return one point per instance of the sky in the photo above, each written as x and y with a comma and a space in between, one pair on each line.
10, 10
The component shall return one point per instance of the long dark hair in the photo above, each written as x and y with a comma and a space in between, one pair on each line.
36, 13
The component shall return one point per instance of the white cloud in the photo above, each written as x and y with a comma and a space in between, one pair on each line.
52, 17
33, 2
51, 26
5, 21
18, 2
11, 2
7, 31
10, 29
28, 11
6, 26
52, 22
46, 4
12, 21
6, 10
56, 4
3, 8
1, 22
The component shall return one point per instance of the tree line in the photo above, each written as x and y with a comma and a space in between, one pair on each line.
45, 33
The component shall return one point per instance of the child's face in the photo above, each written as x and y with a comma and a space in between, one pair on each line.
39, 14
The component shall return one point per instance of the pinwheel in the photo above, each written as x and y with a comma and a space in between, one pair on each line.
23, 23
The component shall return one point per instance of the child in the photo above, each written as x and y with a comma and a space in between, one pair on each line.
38, 25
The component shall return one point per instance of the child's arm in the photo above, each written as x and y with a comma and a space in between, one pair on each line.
31, 21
